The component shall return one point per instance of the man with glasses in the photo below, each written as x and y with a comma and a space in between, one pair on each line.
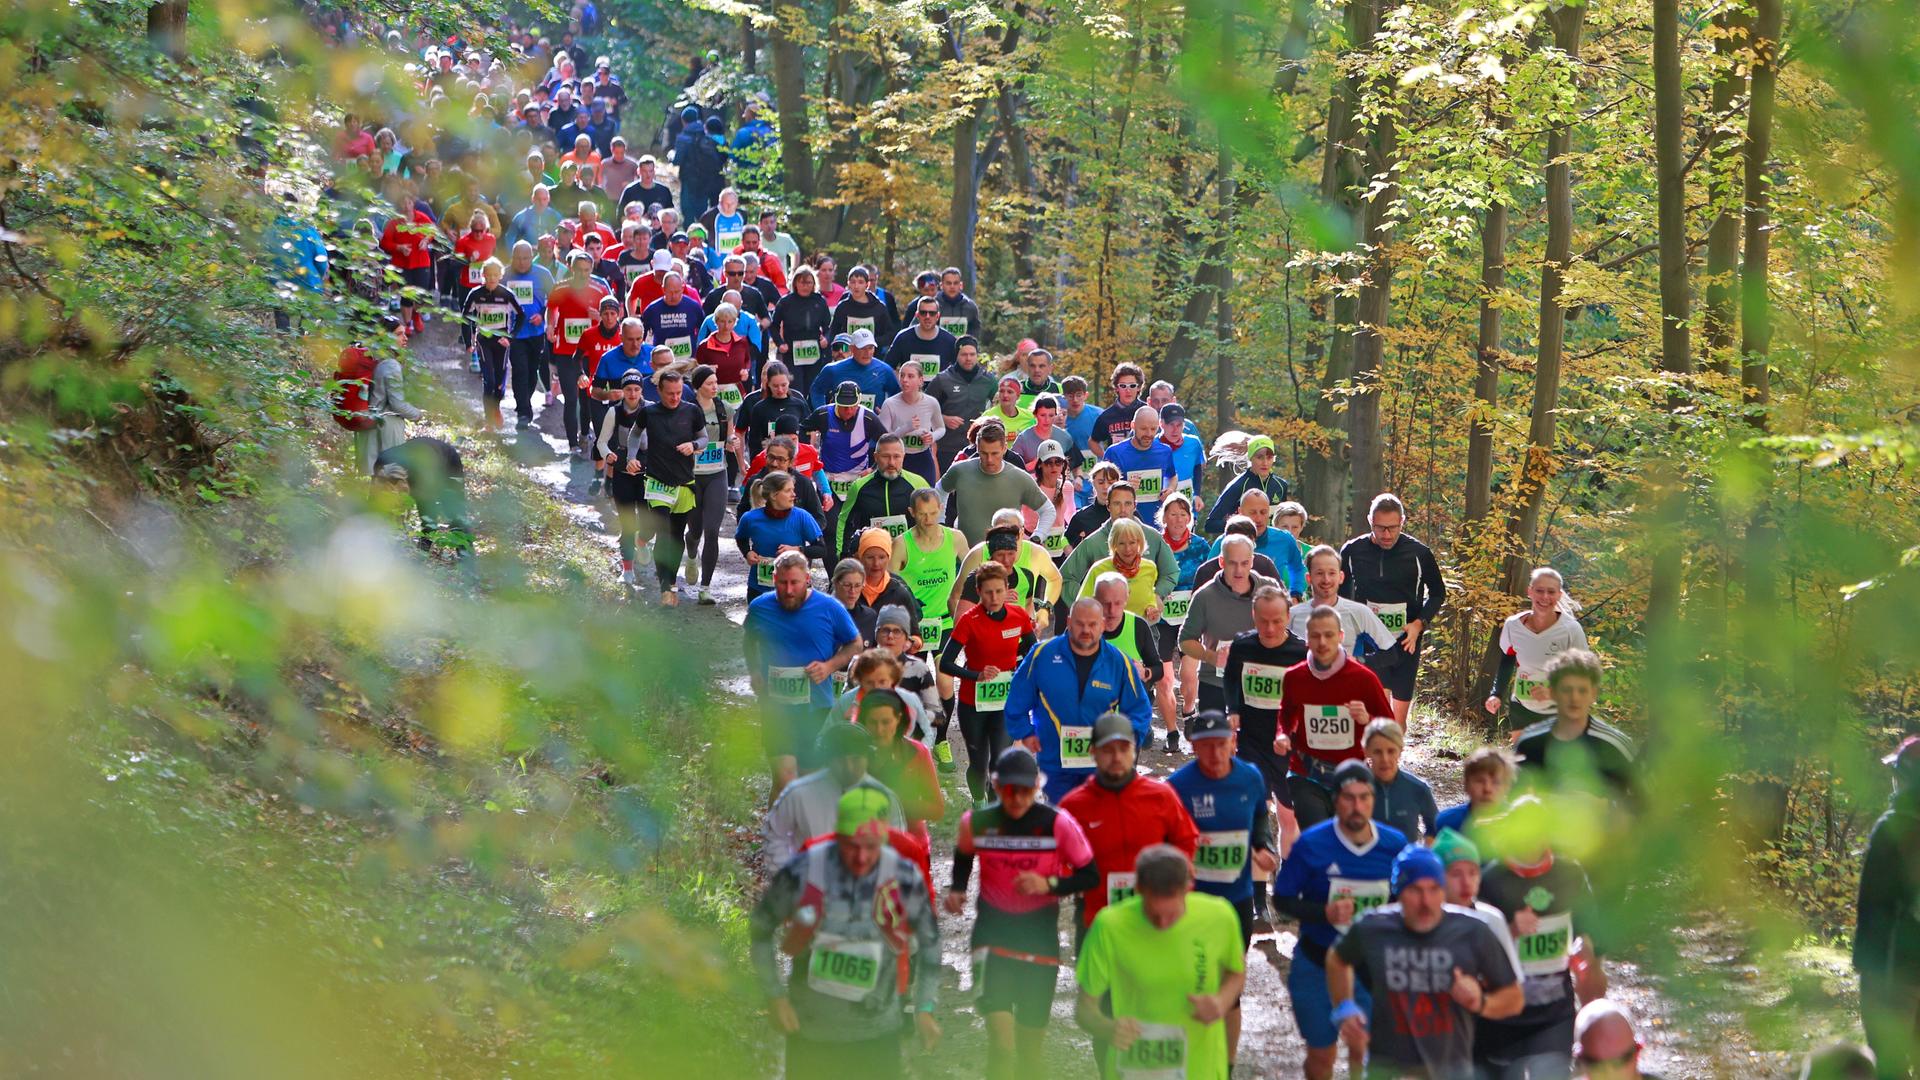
875, 381
1116, 422
924, 343
1397, 576
733, 275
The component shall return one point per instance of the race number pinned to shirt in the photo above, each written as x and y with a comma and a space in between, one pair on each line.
990, 695
848, 970
1366, 895
1393, 616
1524, 685
662, 494
491, 317
1260, 685
788, 685
867, 400
929, 363
730, 393
682, 347
895, 524
954, 324
711, 454
854, 324
475, 275
840, 486
1076, 747
1221, 855
1173, 610
806, 353
1056, 545
1159, 1052
1329, 727
933, 634
572, 329
1545, 951
1120, 885
914, 441
1147, 484
727, 239
763, 574
522, 291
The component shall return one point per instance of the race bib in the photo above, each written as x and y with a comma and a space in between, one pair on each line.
522, 291
1221, 856
1076, 749
662, 494
1147, 483
1544, 952
1366, 895
475, 275
1524, 684
788, 685
806, 353
1158, 1053
914, 441
853, 324
763, 574
895, 524
990, 695
1260, 685
1329, 727
866, 401
954, 324
1394, 616
730, 393
726, 241
848, 970
682, 346
490, 316
711, 454
929, 363
1173, 610
1119, 886
933, 634
840, 487
571, 329
1056, 545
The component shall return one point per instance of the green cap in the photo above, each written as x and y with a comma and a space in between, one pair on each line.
1259, 443
1452, 847
860, 807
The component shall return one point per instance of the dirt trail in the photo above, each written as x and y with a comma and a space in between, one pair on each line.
1270, 1044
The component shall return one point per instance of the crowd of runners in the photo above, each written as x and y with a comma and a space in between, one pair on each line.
939, 530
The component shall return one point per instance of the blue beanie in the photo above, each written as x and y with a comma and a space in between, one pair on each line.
1415, 862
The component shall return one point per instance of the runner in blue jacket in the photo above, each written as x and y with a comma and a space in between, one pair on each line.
1062, 687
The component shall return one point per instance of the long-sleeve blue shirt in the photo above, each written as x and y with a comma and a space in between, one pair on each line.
1047, 696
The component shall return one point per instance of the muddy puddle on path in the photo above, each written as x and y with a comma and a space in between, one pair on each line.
1711, 1048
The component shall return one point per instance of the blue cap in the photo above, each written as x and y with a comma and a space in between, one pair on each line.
1415, 862
843, 339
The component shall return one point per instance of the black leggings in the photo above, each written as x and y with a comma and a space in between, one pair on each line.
703, 525
985, 735
665, 530
568, 369
493, 368
529, 368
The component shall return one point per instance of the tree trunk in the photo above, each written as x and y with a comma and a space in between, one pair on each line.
1669, 123
1537, 468
1756, 313
1723, 193
1369, 344
1486, 380
1323, 485
749, 47
1021, 160
1223, 404
790, 98
167, 28
963, 208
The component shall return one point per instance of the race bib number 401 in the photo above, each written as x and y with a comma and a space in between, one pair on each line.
1147, 483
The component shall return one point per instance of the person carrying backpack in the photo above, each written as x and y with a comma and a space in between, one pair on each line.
370, 401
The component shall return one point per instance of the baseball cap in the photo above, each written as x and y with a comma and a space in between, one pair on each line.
1452, 846
894, 615
847, 393
609, 302
633, 378
860, 808
663, 259
1016, 767
697, 229
862, 338
845, 740
843, 340
1259, 443
1173, 413
1211, 724
647, 159
1112, 726
1906, 755
1413, 863
1049, 450
679, 238
603, 63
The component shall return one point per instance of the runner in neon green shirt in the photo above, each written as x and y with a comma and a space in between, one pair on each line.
927, 558
1172, 961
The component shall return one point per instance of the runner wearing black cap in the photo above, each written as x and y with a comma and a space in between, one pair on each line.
1227, 800
1031, 855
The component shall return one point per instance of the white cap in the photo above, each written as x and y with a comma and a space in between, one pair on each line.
863, 338
1050, 449
663, 259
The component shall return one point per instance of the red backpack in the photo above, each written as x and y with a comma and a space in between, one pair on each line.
350, 402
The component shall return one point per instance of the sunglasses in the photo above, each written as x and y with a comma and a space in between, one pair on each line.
928, 314
1126, 386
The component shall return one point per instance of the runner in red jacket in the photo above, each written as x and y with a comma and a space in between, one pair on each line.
1326, 702
1123, 813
